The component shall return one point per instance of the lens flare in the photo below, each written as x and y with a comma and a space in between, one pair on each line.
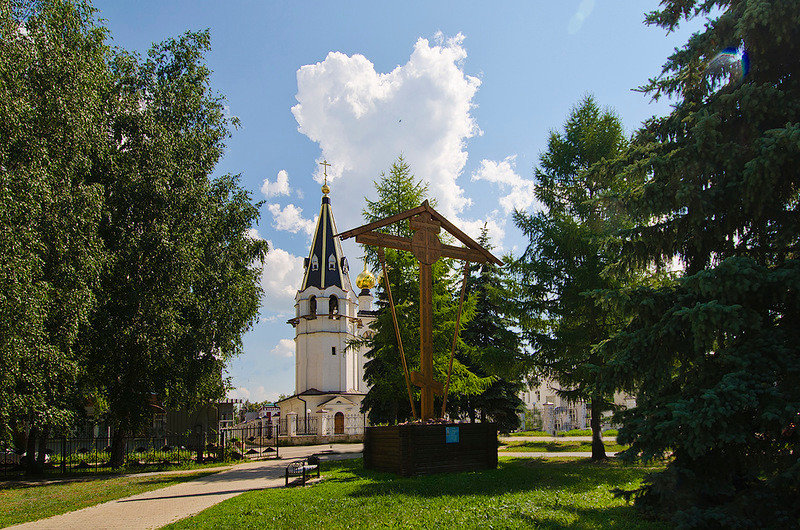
731, 65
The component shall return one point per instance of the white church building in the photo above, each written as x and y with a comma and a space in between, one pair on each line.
329, 315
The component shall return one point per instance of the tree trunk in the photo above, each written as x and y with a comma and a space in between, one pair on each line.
598, 449
118, 447
40, 460
30, 451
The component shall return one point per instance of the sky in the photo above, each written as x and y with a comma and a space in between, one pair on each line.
467, 92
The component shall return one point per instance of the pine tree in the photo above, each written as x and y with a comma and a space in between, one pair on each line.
565, 260
715, 353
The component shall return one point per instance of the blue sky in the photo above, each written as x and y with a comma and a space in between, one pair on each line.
467, 91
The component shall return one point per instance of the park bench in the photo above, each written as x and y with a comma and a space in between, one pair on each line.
304, 469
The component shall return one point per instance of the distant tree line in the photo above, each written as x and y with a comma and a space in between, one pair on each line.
127, 275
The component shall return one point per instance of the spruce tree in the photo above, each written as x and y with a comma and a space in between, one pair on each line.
715, 353
387, 399
496, 348
565, 260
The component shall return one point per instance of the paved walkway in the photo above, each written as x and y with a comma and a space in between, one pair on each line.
154, 509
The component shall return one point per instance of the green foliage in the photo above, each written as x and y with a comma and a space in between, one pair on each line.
496, 347
126, 272
398, 191
715, 352
566, 258
180, 287
54, 86
387, 399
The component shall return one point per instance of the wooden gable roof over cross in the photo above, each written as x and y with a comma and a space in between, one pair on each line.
424, 214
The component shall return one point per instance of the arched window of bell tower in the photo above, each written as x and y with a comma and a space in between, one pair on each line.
314, 263
312, 305
333, 305
331, 263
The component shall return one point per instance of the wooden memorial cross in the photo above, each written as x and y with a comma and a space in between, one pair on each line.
427, 249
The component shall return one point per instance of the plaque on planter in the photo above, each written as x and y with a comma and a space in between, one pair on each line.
451, 435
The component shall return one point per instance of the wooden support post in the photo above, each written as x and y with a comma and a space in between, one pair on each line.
427, 249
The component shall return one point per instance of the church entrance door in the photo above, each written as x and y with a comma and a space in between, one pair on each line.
338, 423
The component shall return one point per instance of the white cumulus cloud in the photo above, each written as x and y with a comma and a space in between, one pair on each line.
284, 348
279, 187
495, 226
256, 395
280, 279
584, 10
521, 192
290, 218
362, 120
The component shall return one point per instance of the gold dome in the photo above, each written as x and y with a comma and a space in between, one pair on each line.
325, 189
365, 280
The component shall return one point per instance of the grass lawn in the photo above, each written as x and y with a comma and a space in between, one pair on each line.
521, 493
29, 503
558, 447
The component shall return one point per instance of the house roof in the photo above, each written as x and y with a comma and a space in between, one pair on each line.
315, 392
335, 398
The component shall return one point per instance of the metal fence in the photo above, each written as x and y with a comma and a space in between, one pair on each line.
255, 440
72, 455
331, 425
304, 425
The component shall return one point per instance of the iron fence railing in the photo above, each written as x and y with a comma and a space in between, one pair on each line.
331, 425
68, 455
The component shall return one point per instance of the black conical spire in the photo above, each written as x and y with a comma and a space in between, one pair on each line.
326, 265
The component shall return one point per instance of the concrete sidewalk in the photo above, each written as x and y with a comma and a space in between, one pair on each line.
154, 509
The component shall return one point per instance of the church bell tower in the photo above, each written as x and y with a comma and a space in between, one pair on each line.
326, 316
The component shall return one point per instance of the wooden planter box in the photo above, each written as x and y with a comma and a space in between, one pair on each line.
409, 450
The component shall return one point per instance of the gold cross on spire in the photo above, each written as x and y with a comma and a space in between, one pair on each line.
325, 165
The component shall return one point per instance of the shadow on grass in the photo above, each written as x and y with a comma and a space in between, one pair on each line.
614, 517
60, 481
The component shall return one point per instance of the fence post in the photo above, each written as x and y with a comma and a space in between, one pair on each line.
200, 445
548, 418
63, 454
